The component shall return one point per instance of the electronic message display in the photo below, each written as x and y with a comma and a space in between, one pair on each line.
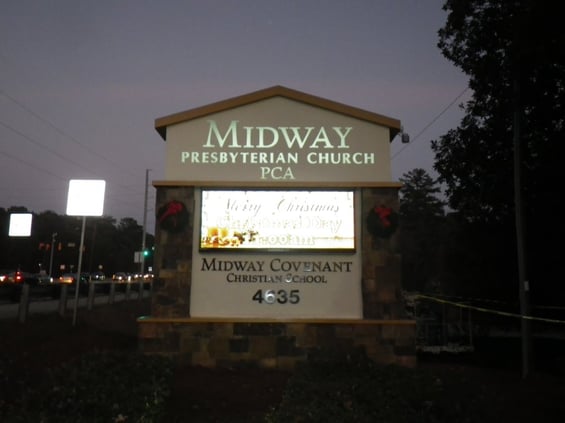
277, 220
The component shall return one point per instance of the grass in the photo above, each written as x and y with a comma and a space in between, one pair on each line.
51, 371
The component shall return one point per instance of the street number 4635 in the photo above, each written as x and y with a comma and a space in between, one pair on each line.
270, 296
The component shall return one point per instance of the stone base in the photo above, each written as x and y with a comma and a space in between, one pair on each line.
275, 344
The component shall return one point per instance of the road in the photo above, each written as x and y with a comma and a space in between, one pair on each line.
10, 310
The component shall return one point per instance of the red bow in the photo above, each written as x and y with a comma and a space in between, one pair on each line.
174, 207
384, 214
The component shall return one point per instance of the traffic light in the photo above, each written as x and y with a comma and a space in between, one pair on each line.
145, 253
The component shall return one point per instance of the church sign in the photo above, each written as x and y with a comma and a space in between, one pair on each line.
277, 216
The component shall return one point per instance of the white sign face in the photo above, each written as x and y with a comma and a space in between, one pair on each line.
229, 282
277, 220
20, 224
278, 140
86, 197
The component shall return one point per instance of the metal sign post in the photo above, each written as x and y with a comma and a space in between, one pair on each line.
77, 286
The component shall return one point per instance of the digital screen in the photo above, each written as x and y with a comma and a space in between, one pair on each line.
277, 220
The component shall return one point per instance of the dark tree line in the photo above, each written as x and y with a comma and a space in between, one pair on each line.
109, 245
514, 54
422, 225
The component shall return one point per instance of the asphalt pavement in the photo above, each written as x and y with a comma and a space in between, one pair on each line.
11, 310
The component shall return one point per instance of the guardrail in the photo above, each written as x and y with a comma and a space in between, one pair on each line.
63, 294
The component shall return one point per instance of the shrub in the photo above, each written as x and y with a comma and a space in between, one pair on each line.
104, 387
358, 390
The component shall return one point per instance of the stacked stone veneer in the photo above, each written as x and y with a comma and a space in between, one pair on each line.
384, 334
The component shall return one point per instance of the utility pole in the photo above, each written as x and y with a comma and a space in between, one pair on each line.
518, 56
524, 287
143, 236
53, 236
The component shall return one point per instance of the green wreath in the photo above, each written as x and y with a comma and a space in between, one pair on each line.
173, 216
382, 222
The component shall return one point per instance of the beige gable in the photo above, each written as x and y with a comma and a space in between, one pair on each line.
278, 136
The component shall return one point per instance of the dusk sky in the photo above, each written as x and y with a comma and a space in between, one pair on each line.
82, 82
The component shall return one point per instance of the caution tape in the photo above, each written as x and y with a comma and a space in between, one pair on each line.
411, 295
487, 310
480, 300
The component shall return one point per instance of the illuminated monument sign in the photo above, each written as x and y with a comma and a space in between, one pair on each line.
276, 206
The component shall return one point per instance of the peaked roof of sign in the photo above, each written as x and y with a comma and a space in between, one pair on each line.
276, 91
